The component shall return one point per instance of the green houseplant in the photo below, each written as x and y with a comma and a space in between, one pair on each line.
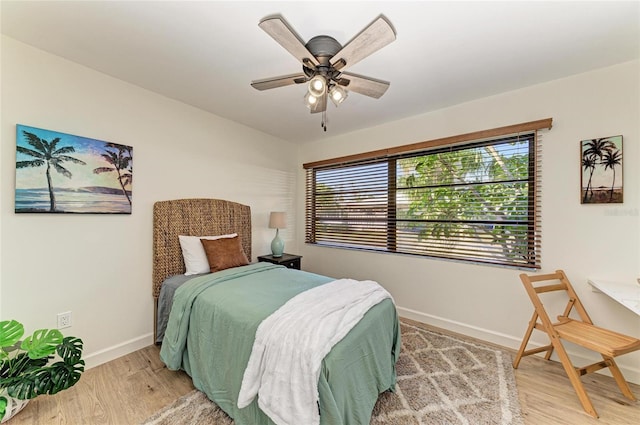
28, 367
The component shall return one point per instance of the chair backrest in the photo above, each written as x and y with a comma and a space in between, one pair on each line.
557, 281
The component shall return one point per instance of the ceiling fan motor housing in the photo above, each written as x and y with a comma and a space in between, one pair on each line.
323, 47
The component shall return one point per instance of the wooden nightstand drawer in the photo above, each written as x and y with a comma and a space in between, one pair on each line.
288, 260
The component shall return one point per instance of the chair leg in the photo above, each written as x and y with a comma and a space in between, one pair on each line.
525, 340
574, 377
522, 352
617, 375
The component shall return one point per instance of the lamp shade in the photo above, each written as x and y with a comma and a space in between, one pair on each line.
278, 220
310, 100
337, 95
317, 85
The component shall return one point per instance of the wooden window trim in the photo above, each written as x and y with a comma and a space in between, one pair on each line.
451, 140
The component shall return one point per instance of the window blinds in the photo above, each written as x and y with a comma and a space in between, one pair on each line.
476, 200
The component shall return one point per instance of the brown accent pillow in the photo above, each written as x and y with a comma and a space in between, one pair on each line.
224, 253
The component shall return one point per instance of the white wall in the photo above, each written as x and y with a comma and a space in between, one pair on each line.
586, 241
99, 266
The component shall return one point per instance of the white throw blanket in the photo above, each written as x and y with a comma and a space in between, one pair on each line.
290, 344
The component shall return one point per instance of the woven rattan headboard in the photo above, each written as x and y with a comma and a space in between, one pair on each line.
193, 217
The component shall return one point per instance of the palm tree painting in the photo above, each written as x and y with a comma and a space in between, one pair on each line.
62, 173
601, 178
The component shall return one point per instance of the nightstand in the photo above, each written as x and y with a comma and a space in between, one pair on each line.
288, 260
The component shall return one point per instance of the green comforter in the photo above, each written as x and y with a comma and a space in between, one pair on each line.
212, 326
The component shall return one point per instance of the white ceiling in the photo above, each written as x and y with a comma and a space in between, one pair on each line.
205, 53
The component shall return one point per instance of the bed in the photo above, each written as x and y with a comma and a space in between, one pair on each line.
217, 330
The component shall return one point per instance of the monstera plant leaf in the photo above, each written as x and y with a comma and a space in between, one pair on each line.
10, 333
42, 343
65, 375
3, 406
70, 350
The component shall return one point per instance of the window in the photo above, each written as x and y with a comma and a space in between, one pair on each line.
470, 200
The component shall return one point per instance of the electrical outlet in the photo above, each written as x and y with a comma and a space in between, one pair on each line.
64, 320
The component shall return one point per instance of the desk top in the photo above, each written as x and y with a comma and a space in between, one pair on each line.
626, 293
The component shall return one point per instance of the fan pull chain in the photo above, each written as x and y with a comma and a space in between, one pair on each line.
323, 124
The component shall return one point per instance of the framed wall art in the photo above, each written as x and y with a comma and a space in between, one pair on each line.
601, 178
62, 173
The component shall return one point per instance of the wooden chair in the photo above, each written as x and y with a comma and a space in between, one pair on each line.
581, 332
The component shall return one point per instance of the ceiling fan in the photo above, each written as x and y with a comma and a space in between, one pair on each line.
324, 60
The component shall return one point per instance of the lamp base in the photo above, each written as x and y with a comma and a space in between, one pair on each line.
277, 245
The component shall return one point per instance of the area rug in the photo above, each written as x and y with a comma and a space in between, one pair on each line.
441, 380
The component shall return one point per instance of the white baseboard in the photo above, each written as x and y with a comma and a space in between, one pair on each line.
631, 374
119, 350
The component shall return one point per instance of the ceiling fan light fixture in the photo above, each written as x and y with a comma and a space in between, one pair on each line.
317, 86
338, 94
310, 100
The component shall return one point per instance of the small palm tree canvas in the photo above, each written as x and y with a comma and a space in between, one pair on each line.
62, 173
601, 177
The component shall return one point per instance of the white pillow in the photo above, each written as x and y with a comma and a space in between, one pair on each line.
195, 259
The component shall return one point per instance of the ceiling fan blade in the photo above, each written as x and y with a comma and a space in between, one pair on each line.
321, 106
281, 32
281, 81
365, 85
374, 37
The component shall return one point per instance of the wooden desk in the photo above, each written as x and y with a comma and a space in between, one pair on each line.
626, 293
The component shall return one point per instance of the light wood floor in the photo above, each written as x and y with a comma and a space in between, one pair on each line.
129, 389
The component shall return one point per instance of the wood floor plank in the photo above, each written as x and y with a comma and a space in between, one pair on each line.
129, 389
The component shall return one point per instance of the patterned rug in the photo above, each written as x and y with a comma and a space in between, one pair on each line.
441, 380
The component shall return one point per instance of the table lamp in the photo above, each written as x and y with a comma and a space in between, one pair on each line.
277, 220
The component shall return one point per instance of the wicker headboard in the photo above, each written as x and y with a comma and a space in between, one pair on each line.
193, 217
